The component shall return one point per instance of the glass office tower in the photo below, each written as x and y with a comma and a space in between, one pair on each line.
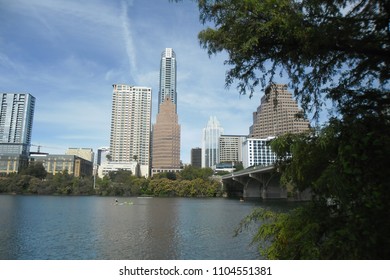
167, 78
210, 143
16, 120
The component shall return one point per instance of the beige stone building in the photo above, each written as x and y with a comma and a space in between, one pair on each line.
277, 114
85, 153
166, 139
12, 163
230, 148
71, 164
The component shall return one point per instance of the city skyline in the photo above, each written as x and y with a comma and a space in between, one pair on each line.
68, 54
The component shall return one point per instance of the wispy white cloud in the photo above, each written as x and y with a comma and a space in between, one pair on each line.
7, 63
128, 40
76, 50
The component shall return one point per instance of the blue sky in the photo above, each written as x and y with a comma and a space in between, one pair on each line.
68, 53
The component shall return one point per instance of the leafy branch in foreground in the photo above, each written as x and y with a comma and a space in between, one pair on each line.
319, 45
345, 165
290, 235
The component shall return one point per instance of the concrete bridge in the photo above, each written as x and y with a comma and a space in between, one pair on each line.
258, 181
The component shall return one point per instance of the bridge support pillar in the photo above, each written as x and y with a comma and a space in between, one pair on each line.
270, 185
252, 189
232, 188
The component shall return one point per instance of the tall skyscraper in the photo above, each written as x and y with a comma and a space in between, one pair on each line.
210, 143
167, 78
166, 139
277, 114
130, 124
16, 120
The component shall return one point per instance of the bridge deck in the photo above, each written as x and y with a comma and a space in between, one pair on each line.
250, 170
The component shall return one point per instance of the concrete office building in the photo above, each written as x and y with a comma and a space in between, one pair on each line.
106, 167
57, 164
258, 152
130, 125
277, 114
85, 153
230, 148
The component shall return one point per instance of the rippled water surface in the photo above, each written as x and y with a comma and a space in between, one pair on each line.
61, 227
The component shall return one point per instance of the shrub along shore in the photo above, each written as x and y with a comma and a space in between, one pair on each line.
191, 182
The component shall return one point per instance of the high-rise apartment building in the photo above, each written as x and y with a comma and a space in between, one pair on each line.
166, 139
210, 143
130, 125
230, 148
16, 120
277, 114
167, 78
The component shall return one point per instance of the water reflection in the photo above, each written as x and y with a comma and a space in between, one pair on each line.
50, 227
143, 230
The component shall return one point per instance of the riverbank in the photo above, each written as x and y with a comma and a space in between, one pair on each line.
64, 184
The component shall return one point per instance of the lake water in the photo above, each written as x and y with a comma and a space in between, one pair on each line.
94, 228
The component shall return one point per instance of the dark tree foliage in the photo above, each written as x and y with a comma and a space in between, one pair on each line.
328, 49
120, 176
35, 169
169, 175
345, 165
192, 173
322, 46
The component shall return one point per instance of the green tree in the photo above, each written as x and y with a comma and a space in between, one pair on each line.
120, 176
35, 169
61, 183
205, 173
190, 173
324, 47
327, 49
239, 166
169, 175
343, 165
